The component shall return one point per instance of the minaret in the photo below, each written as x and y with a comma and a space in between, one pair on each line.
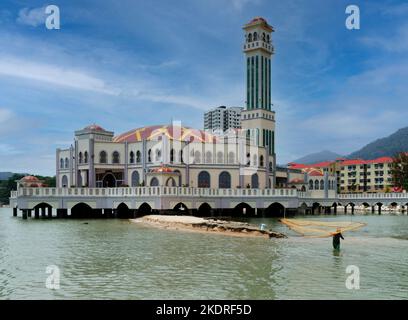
258, 118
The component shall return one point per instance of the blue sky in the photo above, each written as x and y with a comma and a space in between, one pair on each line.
126, 64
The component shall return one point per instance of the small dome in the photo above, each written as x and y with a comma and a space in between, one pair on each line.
30, 179
94, 127
256, 19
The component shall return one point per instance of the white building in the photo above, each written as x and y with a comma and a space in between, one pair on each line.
222, 119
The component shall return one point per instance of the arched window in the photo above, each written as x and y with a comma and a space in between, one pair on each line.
138, 156
179, 177
86, 157
224, 180
263, 36
270, 166
316, 186
115, 157
103, 157
158, 154
321, 184
197, 157
181, 156
80, 157
149, 155
135, 179
154, 182
204, 179
220, 157
261, 161
255, 181
255, 160
231, 157
64, 181
250, 37
255, 36
268, 38
171, 155
132, 157
66, 163
62, 163
208, 157
248, 159
171, 182
310, 184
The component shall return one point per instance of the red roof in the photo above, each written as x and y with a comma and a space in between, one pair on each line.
343, 162
170, 131
94, 127
297, 181
29, 179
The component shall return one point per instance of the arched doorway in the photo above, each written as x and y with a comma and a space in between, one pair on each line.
171, 182
204, 210
255, 181
135, 179
154, 182
181, 208
124, 212
144, 209
276, 209
109, 181
81, 211
64, 181
243, 210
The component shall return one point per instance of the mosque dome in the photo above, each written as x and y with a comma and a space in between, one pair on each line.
173, 132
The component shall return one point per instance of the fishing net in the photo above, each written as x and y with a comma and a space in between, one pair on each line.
320, 229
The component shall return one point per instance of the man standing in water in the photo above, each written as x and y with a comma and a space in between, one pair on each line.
336, 239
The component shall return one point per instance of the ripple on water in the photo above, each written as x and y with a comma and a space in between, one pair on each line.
111, 259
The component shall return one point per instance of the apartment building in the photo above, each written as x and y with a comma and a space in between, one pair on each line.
223, 118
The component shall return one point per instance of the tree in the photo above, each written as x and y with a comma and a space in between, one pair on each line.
400, 170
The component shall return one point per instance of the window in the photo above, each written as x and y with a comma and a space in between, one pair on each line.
181, 156
102, 157
231, 157
321, 185
220, 157
171, 155
115, 157
197, 157
261, 161
138, 156
316, 186
62, 163
204, 179
255, 36
255, 181
66, 163
310, 184
208, 157
86, 157
135, 179
132, 157
158, 154
149, 155
80, 157
154, 182
64, 181
224, 180
250, 37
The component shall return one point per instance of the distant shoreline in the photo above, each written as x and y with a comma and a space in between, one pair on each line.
202, 225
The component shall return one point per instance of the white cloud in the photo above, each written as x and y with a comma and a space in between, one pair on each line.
54, 75
32, 17
395, 43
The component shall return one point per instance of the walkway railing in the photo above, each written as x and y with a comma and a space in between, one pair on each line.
390, 195
154, 192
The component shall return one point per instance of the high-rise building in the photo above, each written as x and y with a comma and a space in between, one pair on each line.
222, 119
258, 119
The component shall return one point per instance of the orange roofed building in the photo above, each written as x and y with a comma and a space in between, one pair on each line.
356, 175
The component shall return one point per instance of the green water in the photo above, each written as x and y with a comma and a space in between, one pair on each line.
115, 259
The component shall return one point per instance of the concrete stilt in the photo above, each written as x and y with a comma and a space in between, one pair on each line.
37, 213
372, 209
29, 213
352, 210
50, 212
379, 210
43, 212
15, 212
24, 214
